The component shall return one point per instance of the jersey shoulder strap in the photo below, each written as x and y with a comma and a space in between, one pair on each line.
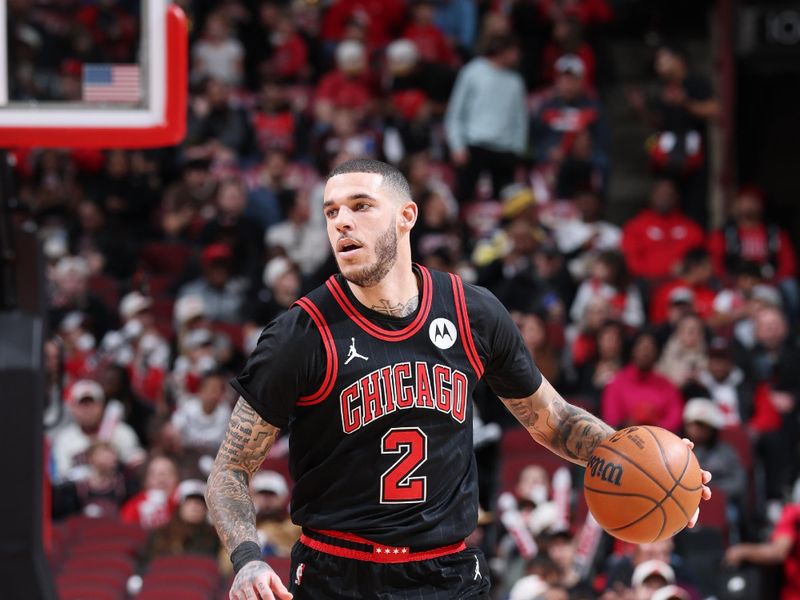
314, 303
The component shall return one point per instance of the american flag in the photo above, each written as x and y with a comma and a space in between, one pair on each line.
111, 83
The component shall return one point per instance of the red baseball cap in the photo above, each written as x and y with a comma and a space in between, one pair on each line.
218, 251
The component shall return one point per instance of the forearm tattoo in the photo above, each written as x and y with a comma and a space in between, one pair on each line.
244, 447
567, 430
401, 309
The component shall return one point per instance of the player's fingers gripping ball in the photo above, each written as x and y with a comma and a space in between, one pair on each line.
643, 484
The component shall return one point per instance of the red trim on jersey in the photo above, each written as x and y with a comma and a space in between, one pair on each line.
380, 553
387, 335
331, 359
463, 325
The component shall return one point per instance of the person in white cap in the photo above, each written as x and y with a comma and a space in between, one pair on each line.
348, 85
188, 530
670, 592
650, 576
569, 109
92, 422
703, 420
276, 532
531, 587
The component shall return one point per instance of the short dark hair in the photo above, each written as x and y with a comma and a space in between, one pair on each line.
392, 177
499, 43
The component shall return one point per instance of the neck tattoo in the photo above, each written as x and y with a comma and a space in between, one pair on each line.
401, 309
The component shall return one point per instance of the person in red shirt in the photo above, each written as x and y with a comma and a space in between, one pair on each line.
637, 395
568, 39
154, 505
657, 239
695, 274
383, 19
431, 43
783, 547
350, 85
747, 237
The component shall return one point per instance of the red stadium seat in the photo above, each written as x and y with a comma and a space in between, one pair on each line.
518, 441
116, 565
191, 578
89, 592
713, 512
123, 546
738, 438
174, 592
282, 566
183, 562
74, 577
107, 289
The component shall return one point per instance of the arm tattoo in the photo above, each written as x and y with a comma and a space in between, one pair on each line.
567, 430
244, 447
401, 309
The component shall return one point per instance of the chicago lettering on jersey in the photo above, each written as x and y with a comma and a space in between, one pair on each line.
402, 386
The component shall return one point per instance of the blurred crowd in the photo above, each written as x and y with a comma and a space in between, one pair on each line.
164, 265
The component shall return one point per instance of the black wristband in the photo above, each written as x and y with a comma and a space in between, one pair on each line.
244, 553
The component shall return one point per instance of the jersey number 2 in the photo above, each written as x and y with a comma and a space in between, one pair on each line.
397, 484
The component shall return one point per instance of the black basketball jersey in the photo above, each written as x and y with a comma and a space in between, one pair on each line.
379, 408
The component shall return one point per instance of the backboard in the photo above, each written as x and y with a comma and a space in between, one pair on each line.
92, 73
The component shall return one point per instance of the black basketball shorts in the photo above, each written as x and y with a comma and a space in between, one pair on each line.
317, 575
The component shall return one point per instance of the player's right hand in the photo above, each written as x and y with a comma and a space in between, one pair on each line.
257, 581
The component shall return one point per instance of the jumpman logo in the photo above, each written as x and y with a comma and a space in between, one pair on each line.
353, 353
477, 570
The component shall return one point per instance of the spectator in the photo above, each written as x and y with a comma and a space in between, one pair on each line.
657, 238
582, 334
437, 227
185, 200
70, 292
348, 133
650, 576
218, 54
746, 236
300, 237
92, 423
431, 42
731, 304
116, 383
276, 532
486, 119
409, 71
273, 190
350, 85
567, 39
685, 355
289, 54
188, 530
703, 420
622, 566
728, 388
781, 549
153, 506
609, 279
104, 240
582, 238
694, 276
678, 108
99, 493
200, 422
609, 358
637, 395
276, 124
139, 346
222, 293
232, 227
540, 343
217, 128
382, 18
569, 109
282, 285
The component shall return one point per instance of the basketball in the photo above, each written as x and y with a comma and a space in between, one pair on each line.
643, 484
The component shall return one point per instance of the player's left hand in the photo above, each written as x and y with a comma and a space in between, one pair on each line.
706, 494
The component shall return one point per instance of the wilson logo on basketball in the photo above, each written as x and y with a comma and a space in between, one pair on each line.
607, 471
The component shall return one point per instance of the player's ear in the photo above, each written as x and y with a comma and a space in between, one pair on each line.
407, 216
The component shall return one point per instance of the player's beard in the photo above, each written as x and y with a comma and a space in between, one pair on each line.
385, 257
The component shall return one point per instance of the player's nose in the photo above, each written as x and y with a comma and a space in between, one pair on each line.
344, 219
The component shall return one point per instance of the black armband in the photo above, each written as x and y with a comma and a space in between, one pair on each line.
244, 553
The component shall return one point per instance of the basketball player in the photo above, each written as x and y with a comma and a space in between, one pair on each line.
372, 374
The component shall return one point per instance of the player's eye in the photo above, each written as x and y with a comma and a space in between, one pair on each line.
331, 213
362, 206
